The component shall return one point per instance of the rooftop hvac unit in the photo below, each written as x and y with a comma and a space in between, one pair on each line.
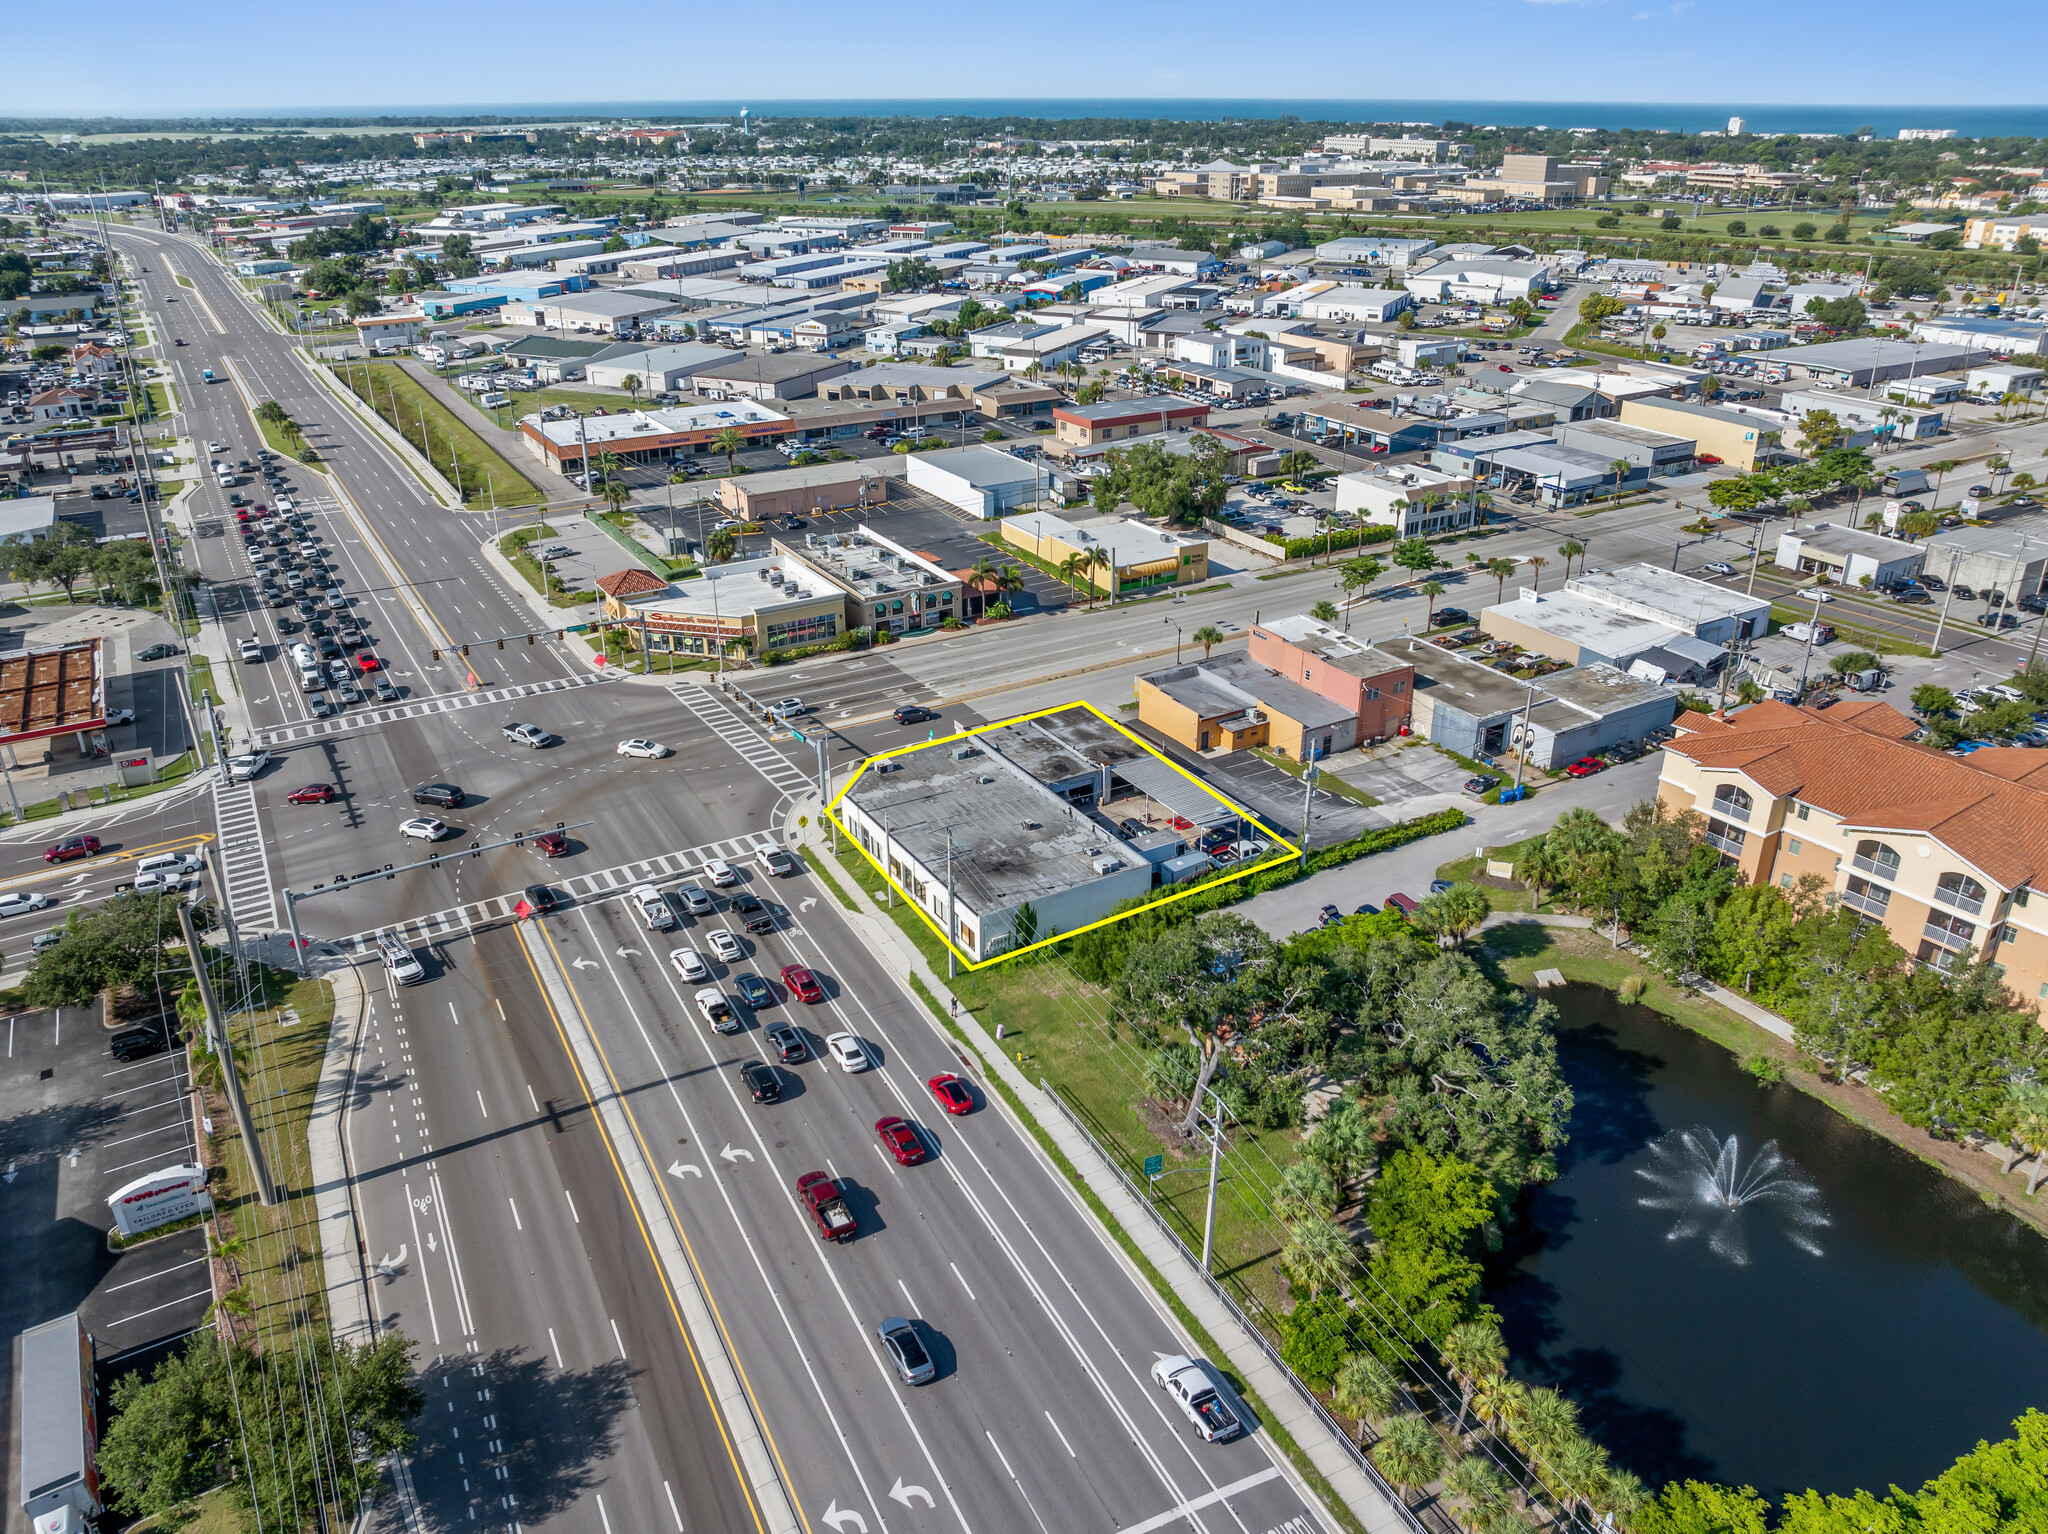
984, 778
1106, 864
762, 574
775, 577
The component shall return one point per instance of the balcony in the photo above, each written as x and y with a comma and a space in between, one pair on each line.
1732, 844
1940, 932
1873, 866
1869, 904
1960, 901
1729, 810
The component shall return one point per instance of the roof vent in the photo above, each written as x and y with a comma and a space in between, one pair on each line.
984, 778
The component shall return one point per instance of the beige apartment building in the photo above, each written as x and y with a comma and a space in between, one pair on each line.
1943, 850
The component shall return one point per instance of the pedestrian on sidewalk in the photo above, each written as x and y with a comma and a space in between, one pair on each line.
956, 1006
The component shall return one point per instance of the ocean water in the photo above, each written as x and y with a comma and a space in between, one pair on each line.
1972, 121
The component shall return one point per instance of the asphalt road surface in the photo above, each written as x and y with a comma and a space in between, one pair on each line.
545, 1071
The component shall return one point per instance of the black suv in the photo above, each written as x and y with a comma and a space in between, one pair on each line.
761, 1081
136, 1044
445, 795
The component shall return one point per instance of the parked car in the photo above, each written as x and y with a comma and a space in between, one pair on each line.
1584, 767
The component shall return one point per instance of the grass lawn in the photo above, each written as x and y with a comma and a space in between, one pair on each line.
1061, 1029
280, 1064
1465, 870
159, 397
199, 671
184, 281
486, 478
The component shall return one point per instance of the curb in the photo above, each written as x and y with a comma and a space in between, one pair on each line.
1276, 1394
342, 1259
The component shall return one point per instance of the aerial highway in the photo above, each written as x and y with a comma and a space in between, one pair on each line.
568, 1197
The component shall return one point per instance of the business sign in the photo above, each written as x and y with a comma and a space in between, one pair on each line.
159, 1198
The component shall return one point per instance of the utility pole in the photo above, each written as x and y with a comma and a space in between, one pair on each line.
231, 1079
1522, 737
1954, 557
1309, 772
952, 924
1806, 659
1215, 1166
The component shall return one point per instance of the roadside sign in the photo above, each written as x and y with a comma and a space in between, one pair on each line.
1154, 1165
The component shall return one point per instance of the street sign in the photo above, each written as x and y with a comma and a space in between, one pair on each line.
1154, 1165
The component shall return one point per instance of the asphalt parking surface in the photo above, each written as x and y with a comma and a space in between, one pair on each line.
75, 1124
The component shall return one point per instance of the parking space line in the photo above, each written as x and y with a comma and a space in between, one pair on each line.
203, 1294
160, 1273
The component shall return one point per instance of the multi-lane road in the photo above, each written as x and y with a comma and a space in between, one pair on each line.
625, 1320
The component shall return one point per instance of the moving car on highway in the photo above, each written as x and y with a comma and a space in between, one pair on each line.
1196, 1395
951, 1092
653, 750
827, 1206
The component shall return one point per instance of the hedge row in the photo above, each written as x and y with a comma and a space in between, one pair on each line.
1301, 548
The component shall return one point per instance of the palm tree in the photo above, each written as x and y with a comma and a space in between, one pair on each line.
728, 441
1208, 636
744, 643
631, 384
1619, 468
1071, 570
1472, 1351
721, 545
1009, 582
1501, 1402
1432, 590
1410, 1455
1940, 466
1500, 570
1364, 1386
1620, 1496
1099, 559
1324, 611
233, 1302
616, 493
1536, 564
1577, 1467
1572, 549
1480, 1486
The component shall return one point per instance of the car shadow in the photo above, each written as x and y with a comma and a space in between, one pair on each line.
864, 1206
939, 1347
1232, 1391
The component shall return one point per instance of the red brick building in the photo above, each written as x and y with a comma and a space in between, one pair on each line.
1348, 671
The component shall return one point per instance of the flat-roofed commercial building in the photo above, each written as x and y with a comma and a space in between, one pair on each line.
1848, 555
810, 491
646, 436
891, 586
1414, 499
45, 693
982, 481
1118, 420
1136, 557
997, 839
761, 605
1738, 439
783, 376
1347, 669
1232, 703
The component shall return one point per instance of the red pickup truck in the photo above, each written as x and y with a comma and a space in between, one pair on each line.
821, 1195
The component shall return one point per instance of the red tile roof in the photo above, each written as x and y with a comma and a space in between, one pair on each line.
629, 583
1853, 761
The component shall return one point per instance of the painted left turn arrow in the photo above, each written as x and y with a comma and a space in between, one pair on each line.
732, 1156
583, 963
679, 1168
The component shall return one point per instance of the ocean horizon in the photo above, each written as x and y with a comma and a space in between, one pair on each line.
1969, 121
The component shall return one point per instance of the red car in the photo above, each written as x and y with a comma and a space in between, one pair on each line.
1584, 767
1705, 458
827, 1205
551, 844
72, 847
951, 1092
900, 1141
803, 985
368, 662
312, 793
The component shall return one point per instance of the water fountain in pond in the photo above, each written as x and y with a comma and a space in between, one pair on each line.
1701, 1177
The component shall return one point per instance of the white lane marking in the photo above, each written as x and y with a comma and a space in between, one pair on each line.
618, 1339
515, 1214
674, 1512
1061, 1436
554, 1347
1206, 1499
572, 1206
480, 1103
963, 1281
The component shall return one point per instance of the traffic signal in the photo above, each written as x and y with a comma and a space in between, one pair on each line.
434, 655
465, 652
529, 641
501, 644
560, 633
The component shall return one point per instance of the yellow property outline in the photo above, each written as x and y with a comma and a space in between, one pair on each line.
1181, 893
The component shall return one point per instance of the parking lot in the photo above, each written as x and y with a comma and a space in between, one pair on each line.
75, 1124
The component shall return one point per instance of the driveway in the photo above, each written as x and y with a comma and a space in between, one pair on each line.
1409, 869
1398, 776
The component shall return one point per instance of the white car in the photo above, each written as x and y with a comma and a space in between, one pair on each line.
215, 447
788, 708
726, 946
654, 910
721, 873
848, 1050
1820, 596
424, 828
652, 750
120, 716
1719, 567
689, 964
17, 902
242, 768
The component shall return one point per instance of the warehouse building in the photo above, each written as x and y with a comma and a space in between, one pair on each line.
1739, 440
982, 481
784, 376
658, 368
809, 491
1232, 703
997, 838
1468, 707
1848, 556
646, 436
1671, 625
606, 311
1859, 363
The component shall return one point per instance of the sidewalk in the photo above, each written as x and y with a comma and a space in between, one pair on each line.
341, 1254
1333, 1456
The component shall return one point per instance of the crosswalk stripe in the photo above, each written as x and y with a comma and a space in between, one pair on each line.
598, 883
438, 703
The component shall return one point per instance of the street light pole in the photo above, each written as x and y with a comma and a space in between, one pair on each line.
1215, 1166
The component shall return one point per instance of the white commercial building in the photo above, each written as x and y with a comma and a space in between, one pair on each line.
1356, 305
982, 481
1412, 500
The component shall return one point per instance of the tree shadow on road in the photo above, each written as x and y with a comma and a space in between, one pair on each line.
557, 1428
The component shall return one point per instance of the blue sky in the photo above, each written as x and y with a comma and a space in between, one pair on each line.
174, 56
